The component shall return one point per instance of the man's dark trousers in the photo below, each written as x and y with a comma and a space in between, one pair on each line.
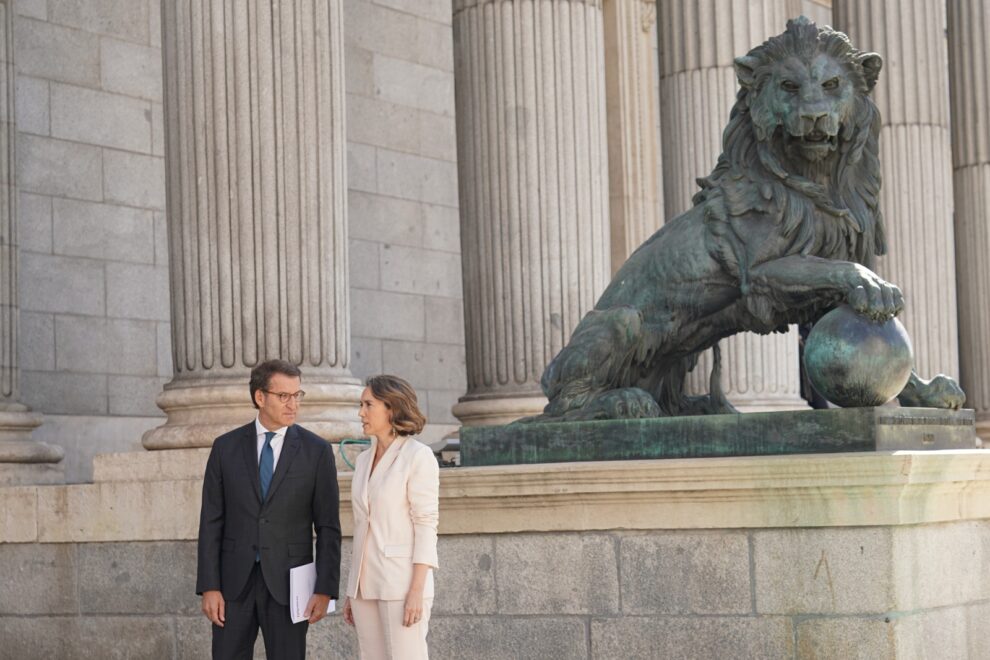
237, 529
253, 609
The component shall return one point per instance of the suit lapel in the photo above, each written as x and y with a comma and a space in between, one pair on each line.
250, 451
290, 446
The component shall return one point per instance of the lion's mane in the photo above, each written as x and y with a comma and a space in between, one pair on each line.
832, 212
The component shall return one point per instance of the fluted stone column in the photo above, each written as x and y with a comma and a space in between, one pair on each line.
255, 162
532, 170
22, 460
915, 157
969, 78
635, 202
698, 41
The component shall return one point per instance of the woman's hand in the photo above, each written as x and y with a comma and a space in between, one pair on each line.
414, 607
348, 612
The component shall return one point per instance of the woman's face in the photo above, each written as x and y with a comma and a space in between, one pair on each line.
376, 418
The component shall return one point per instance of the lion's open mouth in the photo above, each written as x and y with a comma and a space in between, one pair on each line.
815, 144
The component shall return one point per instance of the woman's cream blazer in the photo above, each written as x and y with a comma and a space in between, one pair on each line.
396, 510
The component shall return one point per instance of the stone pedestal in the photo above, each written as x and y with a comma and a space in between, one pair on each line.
22, 460
969, 78
698, 41
635, 202
255, 167
708, 436
912, 95
532, 175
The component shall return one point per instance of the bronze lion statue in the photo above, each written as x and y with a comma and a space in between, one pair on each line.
785, 228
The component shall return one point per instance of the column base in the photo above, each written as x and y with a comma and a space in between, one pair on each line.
983, 429
25, 461
767, 404
16, 446
497, 410
31, 474
198, 413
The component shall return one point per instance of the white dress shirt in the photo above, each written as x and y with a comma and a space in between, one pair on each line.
276, 441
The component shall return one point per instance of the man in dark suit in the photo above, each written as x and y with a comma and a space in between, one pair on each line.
267, 486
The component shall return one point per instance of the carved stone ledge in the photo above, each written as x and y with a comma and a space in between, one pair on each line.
836, 490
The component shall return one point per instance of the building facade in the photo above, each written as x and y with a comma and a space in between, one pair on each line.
434, 189
440, 189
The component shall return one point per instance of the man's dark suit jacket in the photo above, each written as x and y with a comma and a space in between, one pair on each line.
235, 526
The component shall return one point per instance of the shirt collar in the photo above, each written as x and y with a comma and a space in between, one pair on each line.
259, 429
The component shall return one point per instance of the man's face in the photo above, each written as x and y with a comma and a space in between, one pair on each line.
272, 413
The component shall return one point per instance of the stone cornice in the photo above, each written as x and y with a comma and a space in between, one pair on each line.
835, 490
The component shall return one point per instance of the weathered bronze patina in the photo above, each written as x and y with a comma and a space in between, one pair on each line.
754, 434
786, 227
854, 361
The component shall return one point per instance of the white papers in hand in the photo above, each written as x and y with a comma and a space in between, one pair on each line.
302, 582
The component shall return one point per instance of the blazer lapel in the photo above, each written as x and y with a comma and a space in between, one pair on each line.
383, 465
251, 459
290, 446
364, 476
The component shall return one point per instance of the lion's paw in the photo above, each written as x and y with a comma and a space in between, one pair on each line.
874, 297
939, 392
624, 403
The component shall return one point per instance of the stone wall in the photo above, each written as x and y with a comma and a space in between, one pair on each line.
405, 267
873, 555
94, 348
95, 332
867, 592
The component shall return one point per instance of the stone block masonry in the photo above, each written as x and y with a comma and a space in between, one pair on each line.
406, 292
839, 556
622, 594
90, 179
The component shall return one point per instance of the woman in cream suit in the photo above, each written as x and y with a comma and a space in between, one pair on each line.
395, 499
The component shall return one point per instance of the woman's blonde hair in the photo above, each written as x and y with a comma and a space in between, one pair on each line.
400, 398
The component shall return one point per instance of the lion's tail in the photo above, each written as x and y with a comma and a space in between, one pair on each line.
673, 400
718, 400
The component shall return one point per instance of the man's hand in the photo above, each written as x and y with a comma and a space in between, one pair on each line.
316, 609
213, 607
